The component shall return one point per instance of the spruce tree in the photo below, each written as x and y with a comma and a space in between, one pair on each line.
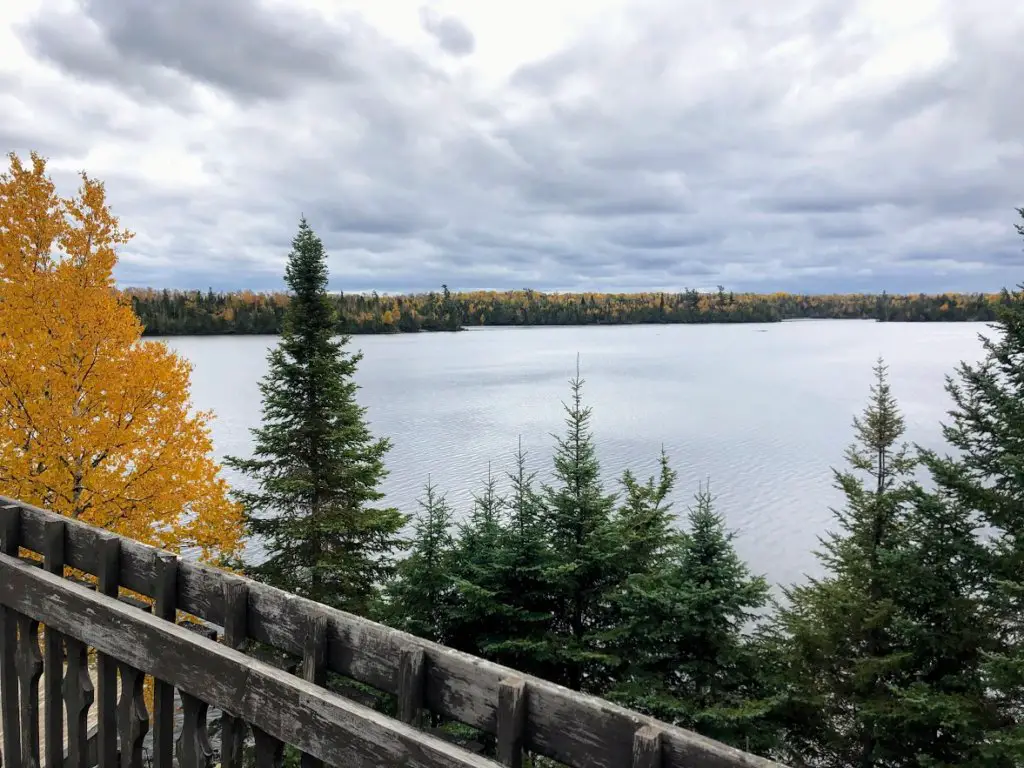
477, 614
316, 467
520, 580
682, 634
882, 654
578, 514
421, 596
986, 477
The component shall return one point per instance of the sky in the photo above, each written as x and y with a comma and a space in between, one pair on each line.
599, 145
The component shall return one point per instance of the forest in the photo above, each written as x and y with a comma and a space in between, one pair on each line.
174, 313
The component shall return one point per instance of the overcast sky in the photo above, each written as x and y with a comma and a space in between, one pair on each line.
810, 145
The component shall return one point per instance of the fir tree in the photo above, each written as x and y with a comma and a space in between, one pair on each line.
316, 467
578, 514
420, 598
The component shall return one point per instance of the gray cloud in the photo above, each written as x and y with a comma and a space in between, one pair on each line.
796, 149
452, 35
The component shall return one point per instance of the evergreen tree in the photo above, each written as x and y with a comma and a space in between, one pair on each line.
986, 477
840, 643
644, 523
579, 518
520, 580
882, 655
683, 619
316, 467
420, 598
477, 615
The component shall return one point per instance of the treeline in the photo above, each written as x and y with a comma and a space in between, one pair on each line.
171, 313
907, 651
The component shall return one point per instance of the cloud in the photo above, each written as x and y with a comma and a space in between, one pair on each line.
451, 34
608, 145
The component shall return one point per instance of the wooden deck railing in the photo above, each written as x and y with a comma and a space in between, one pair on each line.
205, 666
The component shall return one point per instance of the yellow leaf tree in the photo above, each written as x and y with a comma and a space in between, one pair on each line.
95, 423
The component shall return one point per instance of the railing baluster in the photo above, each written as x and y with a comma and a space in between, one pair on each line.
193, 748
647, 747
132, 715
10, 525
511, 721
53, 659
165, 594
269, 750
78, 697
411, 683
314, 666
30, 669
108, 575
236, 611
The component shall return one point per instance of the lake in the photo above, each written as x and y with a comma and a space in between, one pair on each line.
763, 411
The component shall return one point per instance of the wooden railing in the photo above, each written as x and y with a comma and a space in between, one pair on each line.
134, 641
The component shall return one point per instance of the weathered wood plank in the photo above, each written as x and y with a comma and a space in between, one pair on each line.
232, 729
314, 666
10, 524
286, 707
107, 570
411, 681
30, 669
53, 652
647, 748
165, 595
511, 721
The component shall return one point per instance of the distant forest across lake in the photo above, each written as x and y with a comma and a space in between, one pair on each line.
194, 313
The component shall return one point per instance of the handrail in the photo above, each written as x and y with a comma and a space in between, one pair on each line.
319, 722
524, 712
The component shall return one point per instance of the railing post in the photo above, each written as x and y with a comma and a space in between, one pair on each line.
30, 669
511, 721
165, 594
314, 665
236, 611
10, 529
647, 747
108, 575
193, 747
411, 684
53, 660
132, 714
78, 696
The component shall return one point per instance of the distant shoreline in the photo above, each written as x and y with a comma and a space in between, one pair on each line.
195, 313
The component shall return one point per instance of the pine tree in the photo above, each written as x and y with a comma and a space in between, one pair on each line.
316, 467
578, 515
420, 598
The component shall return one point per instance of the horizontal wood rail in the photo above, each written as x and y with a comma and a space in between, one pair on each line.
522, 712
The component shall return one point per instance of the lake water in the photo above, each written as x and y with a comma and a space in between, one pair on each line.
764, 411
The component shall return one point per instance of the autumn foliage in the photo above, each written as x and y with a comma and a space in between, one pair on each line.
94, 423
